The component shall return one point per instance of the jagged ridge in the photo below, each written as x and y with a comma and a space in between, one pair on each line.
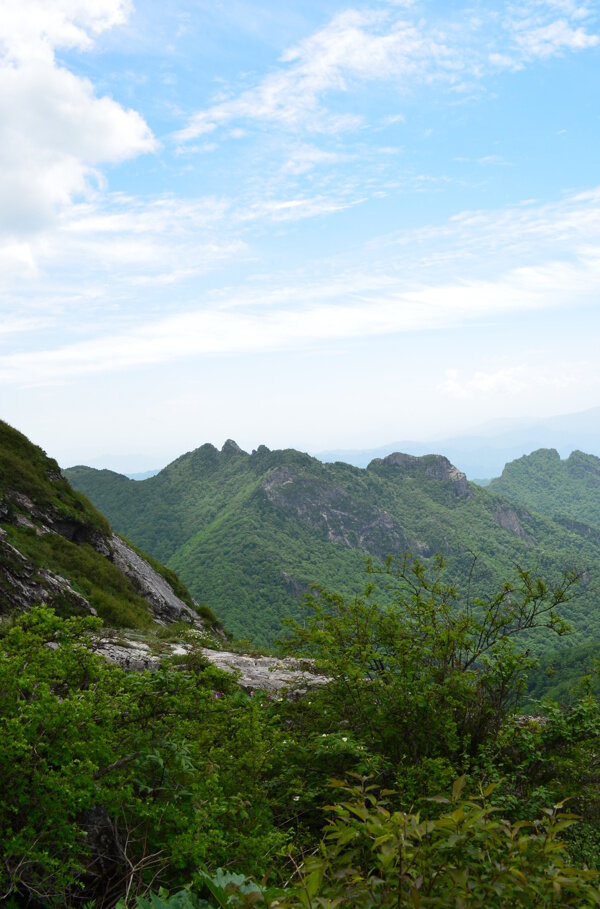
249, 533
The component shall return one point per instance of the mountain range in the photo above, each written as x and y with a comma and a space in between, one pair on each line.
249, 533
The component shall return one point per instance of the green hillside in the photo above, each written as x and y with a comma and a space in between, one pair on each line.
542, 481
55, 547
248, 533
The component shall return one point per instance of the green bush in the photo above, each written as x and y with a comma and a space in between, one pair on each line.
416, 673
466, 856
176, 761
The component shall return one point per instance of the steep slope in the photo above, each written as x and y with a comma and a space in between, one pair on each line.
569, 488
57, 549
250, 533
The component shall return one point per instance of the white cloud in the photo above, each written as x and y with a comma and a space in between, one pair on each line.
355, 46
387, 45
305, 158
355, 304
33, 28
549, 40
54, 131
513, 380
295, 209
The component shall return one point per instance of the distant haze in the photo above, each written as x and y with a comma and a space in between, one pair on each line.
483, 455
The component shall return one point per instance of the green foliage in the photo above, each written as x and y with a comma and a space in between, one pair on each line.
202, 784
549, 485
183, 899
423, 675
27, 470
177, 759
465, 856
541, 758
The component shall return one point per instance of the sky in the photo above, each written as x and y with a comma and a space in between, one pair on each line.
316, 225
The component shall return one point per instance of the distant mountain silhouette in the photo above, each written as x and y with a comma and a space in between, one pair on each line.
484, 453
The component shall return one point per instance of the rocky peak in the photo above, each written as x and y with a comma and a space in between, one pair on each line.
584, 466
433, 467
231, 447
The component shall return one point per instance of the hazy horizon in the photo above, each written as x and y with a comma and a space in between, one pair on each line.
316, 226
481, 453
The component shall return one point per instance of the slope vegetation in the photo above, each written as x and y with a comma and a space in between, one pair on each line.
56, 548
568, 488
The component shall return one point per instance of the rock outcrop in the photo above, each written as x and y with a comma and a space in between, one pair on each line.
266, 673
22, 584
331, 510
508, 519
54, 549
432, 467
166, 606
262, 673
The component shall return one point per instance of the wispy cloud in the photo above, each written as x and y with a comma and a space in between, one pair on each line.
514, 380
355, 46
391, 44
480, 266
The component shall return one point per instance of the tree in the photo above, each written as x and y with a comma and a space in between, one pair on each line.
416, 671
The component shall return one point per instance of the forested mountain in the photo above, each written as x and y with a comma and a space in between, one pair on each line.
568, 488
249, 533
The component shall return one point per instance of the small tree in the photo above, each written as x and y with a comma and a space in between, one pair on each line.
417, 672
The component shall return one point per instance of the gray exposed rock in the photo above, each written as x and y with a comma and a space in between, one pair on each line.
434, 467
166, 606
508, 519
255, 672
266, 673
22, 585
341, 518
134, 655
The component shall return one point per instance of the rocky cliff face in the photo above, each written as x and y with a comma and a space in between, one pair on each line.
24, 583
165, 604
330, 510
344, 518
55, 548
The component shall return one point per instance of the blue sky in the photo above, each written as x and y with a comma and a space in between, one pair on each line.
305, 224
